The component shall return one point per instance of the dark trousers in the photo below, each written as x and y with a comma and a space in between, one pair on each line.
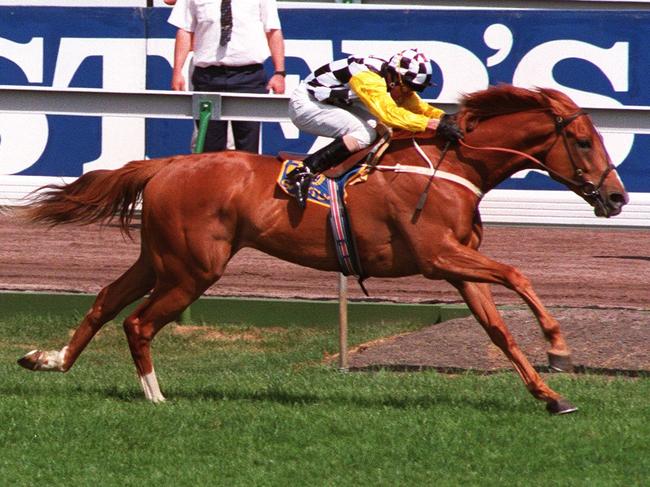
236, 79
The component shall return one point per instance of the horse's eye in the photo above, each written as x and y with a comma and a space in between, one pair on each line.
584, 143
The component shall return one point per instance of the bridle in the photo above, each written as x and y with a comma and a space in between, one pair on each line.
588, 189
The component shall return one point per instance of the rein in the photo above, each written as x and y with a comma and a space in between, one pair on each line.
587, 188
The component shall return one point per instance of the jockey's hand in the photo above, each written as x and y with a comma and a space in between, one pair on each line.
448, 128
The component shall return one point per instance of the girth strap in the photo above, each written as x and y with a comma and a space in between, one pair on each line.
346, 248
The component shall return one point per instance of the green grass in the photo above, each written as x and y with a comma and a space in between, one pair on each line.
261, 409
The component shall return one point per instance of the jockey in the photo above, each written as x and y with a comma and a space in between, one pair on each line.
345, 100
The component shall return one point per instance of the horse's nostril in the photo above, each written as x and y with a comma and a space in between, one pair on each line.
618, 199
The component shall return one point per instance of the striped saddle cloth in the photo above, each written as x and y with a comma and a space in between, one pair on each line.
330, 192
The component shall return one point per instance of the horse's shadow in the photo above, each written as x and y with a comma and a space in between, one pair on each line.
134, 395
278, 396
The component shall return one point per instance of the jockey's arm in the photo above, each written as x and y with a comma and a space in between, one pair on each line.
413, 116
417, 105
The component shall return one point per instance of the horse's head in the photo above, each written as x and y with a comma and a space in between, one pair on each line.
561, 136
578, 158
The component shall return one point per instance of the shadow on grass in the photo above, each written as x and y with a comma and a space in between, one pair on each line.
288, 398
271, 395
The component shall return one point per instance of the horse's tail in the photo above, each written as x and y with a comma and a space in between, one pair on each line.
97, 196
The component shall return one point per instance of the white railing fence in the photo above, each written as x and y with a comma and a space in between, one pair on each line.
499, 206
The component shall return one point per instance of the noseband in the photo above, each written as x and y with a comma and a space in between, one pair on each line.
587, 188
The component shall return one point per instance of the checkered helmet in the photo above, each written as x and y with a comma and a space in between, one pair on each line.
412, 68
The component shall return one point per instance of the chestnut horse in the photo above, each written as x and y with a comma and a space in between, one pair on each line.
199, 210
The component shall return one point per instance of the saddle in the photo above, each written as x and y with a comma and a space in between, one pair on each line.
333, 172
370, 155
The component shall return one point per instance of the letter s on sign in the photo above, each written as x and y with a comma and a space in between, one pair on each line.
536, 69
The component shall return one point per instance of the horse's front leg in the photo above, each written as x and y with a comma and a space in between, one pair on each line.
559, 355
479, 299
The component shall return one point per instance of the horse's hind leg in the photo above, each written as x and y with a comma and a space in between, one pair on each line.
132, 285
479, 299
164, 305
189, 255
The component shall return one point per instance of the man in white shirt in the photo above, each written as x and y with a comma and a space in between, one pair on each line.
228, 56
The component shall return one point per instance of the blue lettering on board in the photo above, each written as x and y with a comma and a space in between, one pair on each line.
599, 58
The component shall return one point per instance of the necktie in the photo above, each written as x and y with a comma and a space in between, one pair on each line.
226, 22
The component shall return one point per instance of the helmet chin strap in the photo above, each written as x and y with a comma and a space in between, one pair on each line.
390, 81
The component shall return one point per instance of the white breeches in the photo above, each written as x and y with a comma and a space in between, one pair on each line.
327, 120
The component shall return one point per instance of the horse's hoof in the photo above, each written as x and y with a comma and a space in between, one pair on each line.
52, 361
31, 360
560, 406
560, 363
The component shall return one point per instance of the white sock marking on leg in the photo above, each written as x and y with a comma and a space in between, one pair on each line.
150, 387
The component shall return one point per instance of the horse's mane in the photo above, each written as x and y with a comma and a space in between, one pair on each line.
503, 98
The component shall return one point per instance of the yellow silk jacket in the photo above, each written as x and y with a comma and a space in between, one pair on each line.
412, 114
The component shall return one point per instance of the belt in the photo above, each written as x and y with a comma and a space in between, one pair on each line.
229, 69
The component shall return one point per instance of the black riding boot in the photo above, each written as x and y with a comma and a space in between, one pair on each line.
321, 160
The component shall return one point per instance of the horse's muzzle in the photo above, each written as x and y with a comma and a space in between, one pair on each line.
608, 197
607, 204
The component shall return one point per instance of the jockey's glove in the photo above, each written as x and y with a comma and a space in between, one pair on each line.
448, 128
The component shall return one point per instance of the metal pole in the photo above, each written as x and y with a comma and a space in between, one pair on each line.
343, 323
205, 114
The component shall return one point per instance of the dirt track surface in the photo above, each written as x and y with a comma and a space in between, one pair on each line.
596, 281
